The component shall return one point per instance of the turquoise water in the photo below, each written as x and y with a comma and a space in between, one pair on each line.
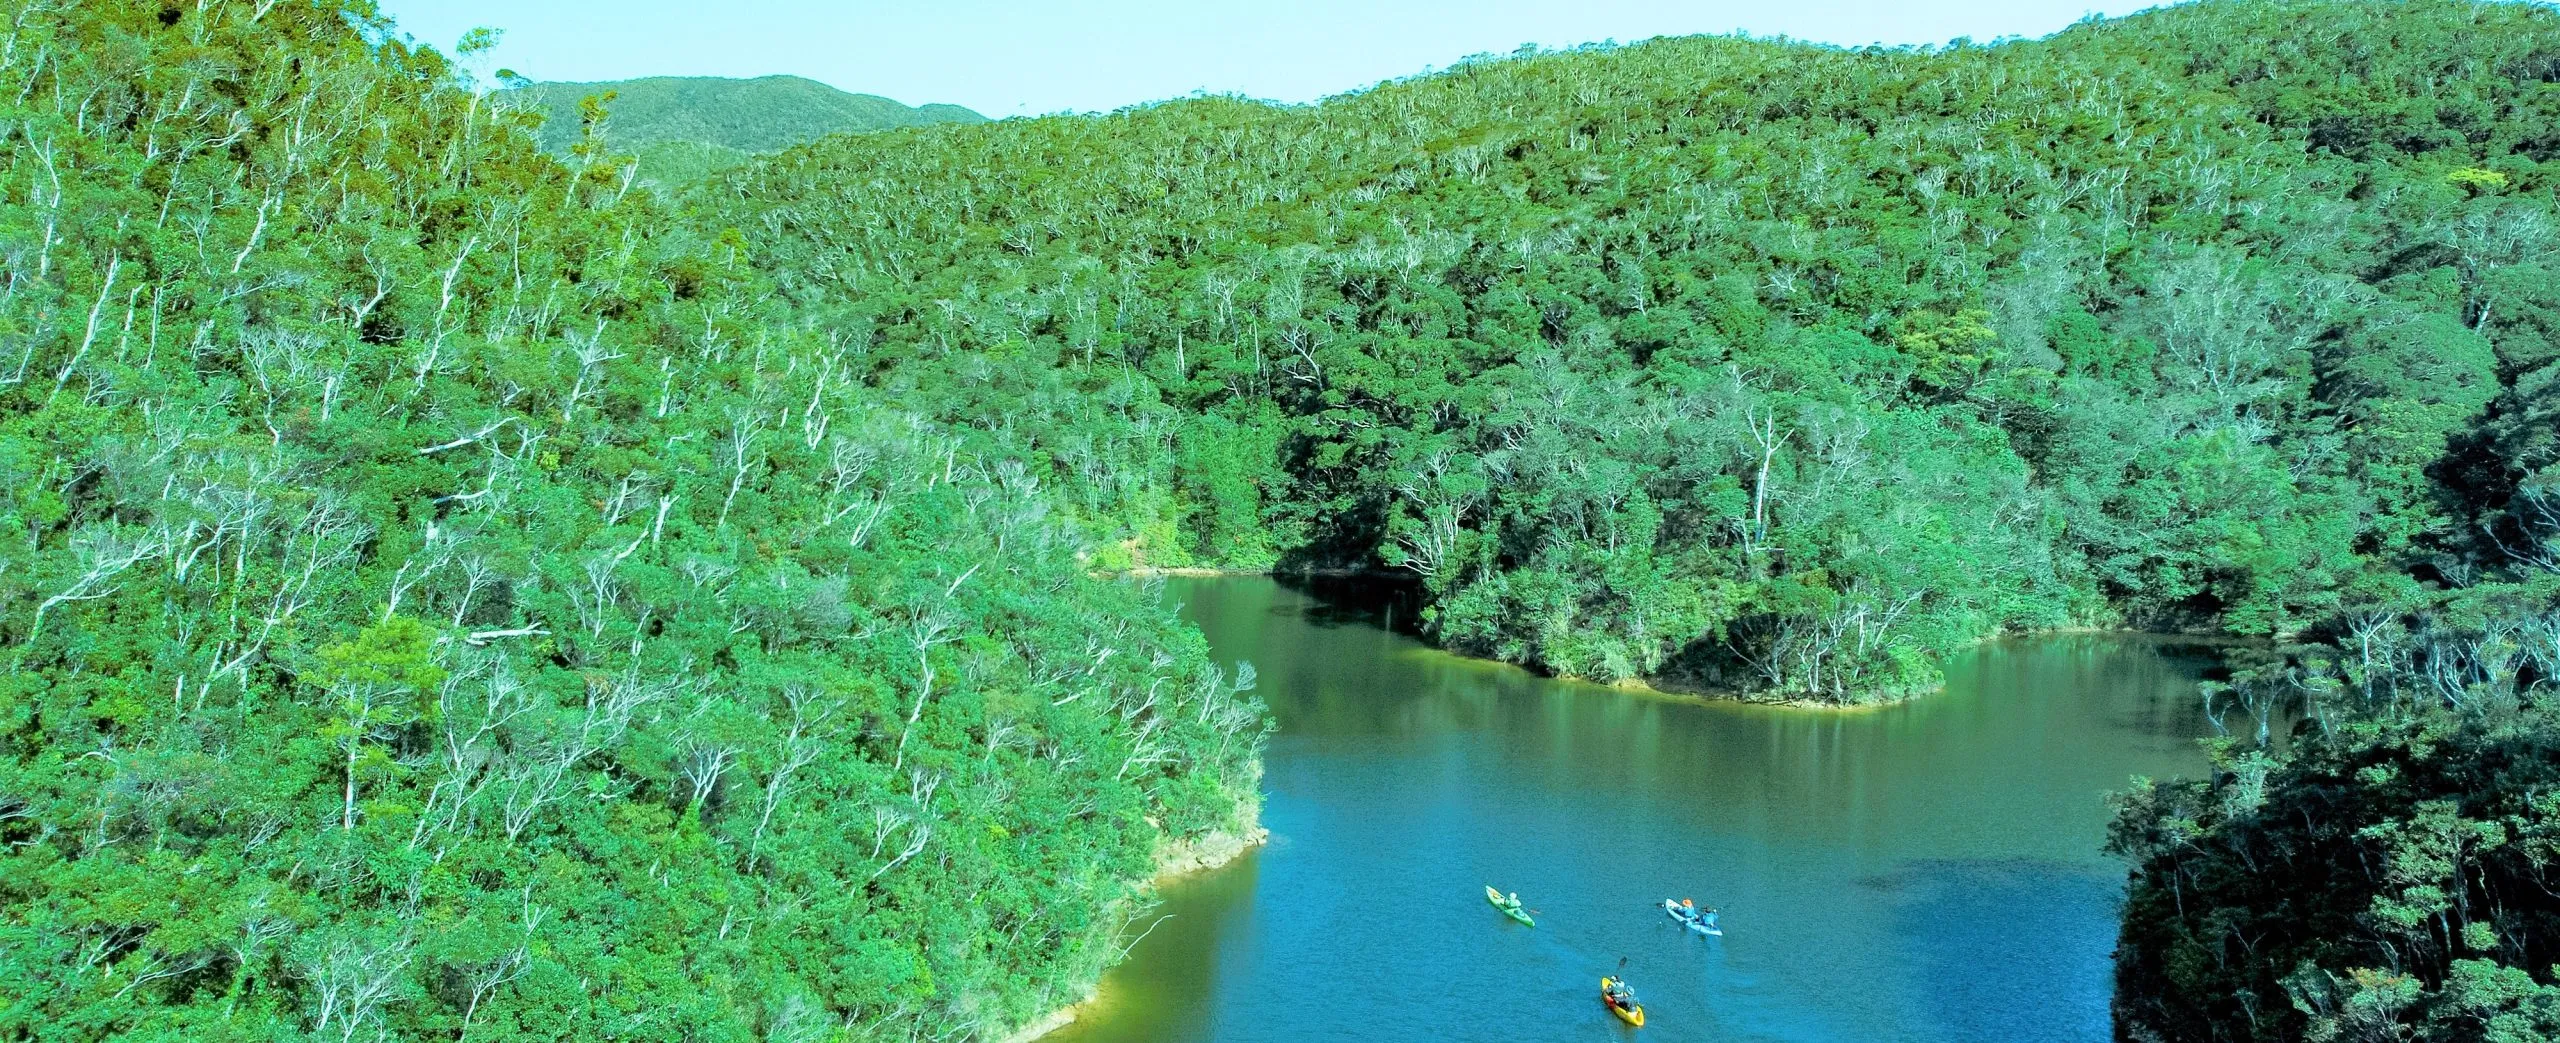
1922, 872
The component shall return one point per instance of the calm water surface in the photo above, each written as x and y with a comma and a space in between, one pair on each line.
1923, 872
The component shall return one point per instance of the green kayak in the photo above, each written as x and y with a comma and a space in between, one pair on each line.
1509, 907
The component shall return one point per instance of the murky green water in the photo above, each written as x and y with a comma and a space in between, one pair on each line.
1927, 871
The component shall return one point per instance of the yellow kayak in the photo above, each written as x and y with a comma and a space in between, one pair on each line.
1632, 1014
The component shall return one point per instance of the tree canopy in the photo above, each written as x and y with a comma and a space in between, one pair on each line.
1768, 366
2387, 876
445, 599
458, 591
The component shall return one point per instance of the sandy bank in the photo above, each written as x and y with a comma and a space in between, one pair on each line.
1174, 859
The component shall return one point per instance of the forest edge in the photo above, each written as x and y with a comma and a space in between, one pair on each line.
1175, 858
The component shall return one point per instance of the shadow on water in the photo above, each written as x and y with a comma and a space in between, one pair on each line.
1921, 872
1386, 601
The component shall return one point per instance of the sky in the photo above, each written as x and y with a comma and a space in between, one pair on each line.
1018, 58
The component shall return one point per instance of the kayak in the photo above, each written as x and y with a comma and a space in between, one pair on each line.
1691, 919
1508, 909
1632, 1014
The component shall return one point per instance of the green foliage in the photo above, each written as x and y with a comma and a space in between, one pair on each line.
394, 654
446, 598
452, 591
2388, 877
764, 114
1948, 353
2478, 180
1778, 368
678, 163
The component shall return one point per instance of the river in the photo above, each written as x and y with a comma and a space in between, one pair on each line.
1926, 872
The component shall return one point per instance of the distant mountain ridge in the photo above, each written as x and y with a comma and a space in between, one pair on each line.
763, 114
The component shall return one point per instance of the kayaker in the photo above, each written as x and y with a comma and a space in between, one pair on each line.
1513, 899
1621, 993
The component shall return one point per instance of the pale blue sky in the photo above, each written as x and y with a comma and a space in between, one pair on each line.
1012, 58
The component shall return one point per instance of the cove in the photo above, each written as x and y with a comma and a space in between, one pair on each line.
1926, 871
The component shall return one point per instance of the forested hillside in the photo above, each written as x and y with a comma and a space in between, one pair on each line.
451, 591
759, 115
682, 128
443, 599
1763, 365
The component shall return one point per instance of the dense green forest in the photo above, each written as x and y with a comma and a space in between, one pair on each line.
1789, 369
443, 600
764, 114
455, 590
1767, 366
2389, 878
685, 128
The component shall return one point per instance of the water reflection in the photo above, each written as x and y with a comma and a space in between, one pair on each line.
1927, 871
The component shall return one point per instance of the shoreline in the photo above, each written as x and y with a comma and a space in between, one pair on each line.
1666, 688
1653, 686
1661, 688
1175, 858
1677, 691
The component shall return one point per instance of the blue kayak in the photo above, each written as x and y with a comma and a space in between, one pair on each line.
1702, 923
